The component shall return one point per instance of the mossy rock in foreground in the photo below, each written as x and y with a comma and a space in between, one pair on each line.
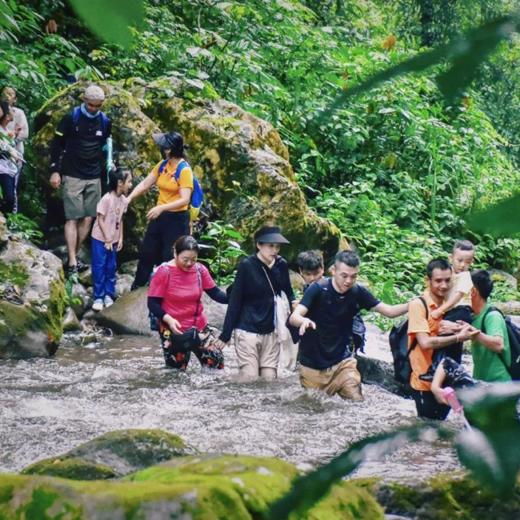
113, 454
205, 487
446, 496
71, 468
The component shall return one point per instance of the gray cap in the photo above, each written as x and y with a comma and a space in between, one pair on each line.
94, 93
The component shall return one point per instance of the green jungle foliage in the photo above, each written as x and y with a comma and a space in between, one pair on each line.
397, 168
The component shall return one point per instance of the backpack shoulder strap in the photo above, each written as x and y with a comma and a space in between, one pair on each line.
76, 112
423, 301
483, 329
182, 164
104, 123
162, 166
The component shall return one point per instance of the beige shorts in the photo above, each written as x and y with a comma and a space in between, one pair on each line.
256, 351
343, 379
80, 197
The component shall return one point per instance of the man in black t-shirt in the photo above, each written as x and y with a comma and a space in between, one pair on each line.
324, 317
76, 163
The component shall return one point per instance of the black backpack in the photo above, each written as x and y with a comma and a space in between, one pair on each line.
398, 339
513, 333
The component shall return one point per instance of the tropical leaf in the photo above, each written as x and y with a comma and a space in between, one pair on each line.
491, 449
111, 19
310, 488
501, 219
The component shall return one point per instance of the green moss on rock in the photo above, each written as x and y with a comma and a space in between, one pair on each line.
15, 274
72, 468
114, 454
447, 497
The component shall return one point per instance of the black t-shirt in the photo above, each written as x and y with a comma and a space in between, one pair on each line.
76, 150
333, 313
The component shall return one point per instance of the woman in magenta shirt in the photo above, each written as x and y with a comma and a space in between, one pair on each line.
175, 298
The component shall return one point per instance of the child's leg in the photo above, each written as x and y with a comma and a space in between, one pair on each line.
110, 272
98, 268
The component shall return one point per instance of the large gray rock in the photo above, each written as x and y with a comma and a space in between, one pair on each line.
129, 314
241, 160
32, 300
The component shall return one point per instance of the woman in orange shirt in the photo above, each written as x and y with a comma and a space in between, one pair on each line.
169, 218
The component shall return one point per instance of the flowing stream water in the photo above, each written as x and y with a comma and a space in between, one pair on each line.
52, 405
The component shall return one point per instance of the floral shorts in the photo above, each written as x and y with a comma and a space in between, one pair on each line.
179, 358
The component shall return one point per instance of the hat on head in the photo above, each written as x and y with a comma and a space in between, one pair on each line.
94, 93
171, 140
270, 235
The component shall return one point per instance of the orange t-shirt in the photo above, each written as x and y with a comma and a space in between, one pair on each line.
421, 359
169, 188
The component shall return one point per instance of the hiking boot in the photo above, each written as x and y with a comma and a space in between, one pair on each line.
108, 301
82, 266
97, 305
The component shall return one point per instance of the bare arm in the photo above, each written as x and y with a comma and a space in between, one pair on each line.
142, 187
425, 341
298, 319
448, 304
493, 343
103, 227
391, 311
185, 196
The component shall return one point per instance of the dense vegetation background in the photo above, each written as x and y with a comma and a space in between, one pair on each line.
397, 169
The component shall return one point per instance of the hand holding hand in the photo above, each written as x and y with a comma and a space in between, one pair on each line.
467, 332
154, 213
218, 344
449, 327
306, 323
55, 180
108, 246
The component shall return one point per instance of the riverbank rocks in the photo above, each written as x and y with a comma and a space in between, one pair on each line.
113, 454
446, 496
32, 300
218, 487
240, 159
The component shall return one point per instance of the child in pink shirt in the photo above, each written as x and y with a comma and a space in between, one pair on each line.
107, 237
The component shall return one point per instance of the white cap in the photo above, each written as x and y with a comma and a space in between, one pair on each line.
94, 93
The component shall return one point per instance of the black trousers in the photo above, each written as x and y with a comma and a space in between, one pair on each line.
428, 407
158, 242
8, 185
459, 313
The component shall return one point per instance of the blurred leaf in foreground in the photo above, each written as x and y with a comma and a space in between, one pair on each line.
311, 488
111, 20
491, 449
501, 219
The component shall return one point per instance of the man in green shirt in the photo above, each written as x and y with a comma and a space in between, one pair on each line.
490, 347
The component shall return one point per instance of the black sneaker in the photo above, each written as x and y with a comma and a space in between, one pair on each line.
81, 266
71, 271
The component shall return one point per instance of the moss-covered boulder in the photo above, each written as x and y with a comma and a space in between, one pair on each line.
447, 496
113, 454
241, 161
32, 300
199, 487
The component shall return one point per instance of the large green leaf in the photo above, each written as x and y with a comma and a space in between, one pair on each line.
111, 19
491, 449
310, 488
501, 219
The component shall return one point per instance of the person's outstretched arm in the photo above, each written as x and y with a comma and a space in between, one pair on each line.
142, 187
391, 311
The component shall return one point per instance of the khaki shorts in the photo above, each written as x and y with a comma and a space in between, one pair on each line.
343, 379
256, 351
80, 197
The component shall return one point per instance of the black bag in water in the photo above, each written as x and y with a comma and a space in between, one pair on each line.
398, 340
